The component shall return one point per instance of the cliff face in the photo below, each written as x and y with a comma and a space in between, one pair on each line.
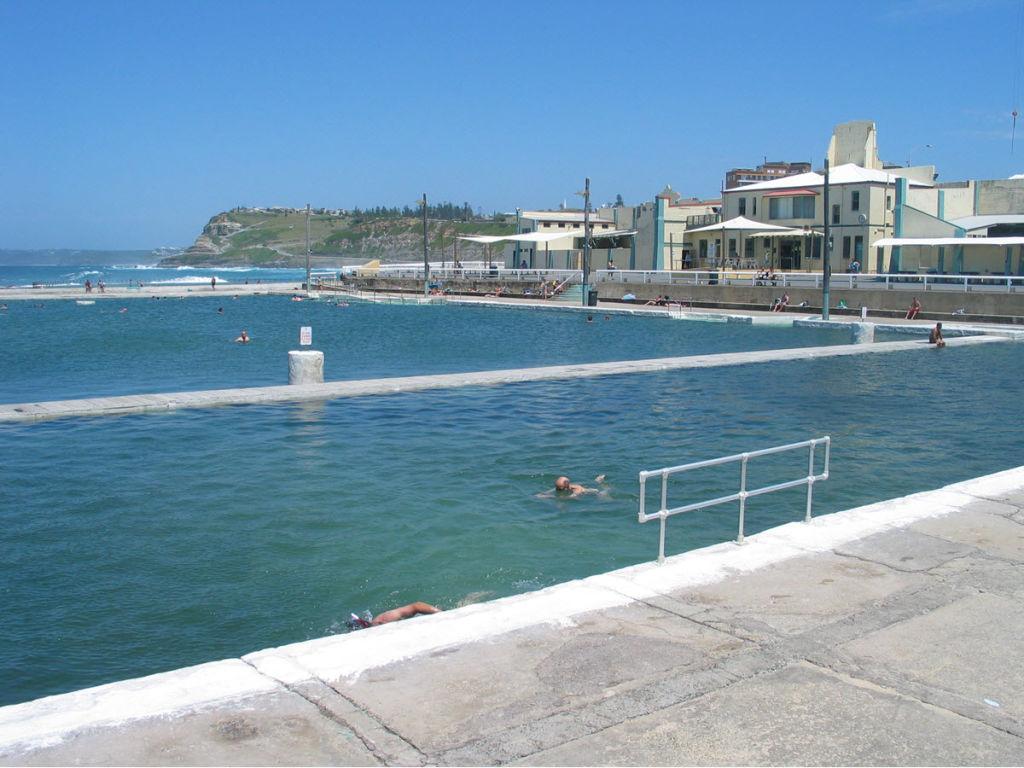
276, 238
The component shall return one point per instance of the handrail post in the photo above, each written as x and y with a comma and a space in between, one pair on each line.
810, 480
743, 497
661, 538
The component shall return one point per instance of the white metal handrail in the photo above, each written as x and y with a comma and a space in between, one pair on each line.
742, 495
849, 280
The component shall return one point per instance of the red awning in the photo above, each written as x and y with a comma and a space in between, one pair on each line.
791, 193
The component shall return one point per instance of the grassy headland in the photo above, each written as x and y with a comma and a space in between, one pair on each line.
277, 237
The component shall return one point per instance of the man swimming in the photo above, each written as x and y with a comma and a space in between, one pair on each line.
395, 614
563, 485
935, 337
243, 338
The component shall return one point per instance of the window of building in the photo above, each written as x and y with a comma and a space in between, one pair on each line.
858, 248
753, 205
732, 246
803, 207
855, 201
702, 249
780, 208
888, 202
835, 213
748, 249
743, 206
846, 247
561, 225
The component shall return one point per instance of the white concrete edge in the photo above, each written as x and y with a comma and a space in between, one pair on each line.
52, 719
162, 402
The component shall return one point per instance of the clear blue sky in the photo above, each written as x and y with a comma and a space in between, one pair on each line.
126, 125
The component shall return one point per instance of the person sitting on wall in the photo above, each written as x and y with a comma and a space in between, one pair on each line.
782, 303
935, 337
915, 307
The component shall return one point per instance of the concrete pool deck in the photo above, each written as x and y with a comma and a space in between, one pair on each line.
163, 291
162, 402
885, 634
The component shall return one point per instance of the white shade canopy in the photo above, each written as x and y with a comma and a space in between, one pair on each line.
964, 241
742, 224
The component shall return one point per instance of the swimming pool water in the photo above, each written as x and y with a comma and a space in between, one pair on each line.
62, 350
144, 543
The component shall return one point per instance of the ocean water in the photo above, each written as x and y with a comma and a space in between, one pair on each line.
144, 543
122, 274
58, 349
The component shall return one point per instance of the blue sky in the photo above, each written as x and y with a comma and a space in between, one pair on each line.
126, 125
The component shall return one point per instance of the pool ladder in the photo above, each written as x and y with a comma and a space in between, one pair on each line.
742, 495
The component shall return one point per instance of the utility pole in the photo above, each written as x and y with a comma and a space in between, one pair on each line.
826, 251
308, 287
586, 243
426, 261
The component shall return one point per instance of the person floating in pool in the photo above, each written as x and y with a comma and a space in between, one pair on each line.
367, 619
243, 337
935, 337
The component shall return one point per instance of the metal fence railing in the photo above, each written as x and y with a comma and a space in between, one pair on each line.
742, 495
848, 280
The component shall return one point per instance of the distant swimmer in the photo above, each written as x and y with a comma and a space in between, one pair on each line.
122, 310
213, 283
243, 338
395, 614
3, 307
935, 337
220, 310
341, 304
566, 487
296, 298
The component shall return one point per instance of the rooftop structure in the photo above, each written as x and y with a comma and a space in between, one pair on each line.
766, 171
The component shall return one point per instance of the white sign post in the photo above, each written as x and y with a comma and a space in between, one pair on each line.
306, 336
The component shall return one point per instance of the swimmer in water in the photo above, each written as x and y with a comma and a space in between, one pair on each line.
220, 310
395, 614
566, 487
243, 338
122, 310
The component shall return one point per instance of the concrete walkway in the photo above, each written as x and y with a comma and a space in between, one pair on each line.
887, 634
121, 292
111, 406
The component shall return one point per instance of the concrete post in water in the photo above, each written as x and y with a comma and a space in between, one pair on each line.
305, 367
863, 333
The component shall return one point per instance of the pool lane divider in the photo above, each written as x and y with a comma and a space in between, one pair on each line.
162, 402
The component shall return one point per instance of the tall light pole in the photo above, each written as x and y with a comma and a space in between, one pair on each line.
586, 242
426, 261
308, 287
826, 252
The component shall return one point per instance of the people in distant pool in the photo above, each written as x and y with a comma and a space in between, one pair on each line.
213, 283
935, 337
243, 337
395, 614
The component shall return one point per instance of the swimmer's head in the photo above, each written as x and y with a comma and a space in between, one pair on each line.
562, 483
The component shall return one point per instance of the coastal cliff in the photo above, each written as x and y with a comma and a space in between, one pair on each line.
275, 237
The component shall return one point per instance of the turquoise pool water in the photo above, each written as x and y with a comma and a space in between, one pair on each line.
62, 350
144, 543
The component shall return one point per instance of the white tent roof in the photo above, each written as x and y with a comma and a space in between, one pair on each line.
483, 238
789, 233
841, 174
526, 237
949, 241
741, 223
990, 220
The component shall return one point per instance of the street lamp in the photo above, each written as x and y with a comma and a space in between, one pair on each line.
426, 262
586, 242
